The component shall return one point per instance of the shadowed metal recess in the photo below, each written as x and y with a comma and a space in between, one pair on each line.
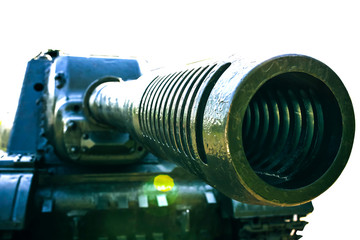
292, 130
273, 132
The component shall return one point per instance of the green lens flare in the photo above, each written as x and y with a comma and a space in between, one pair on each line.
164, 183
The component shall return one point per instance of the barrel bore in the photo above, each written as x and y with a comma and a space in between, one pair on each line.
292, 130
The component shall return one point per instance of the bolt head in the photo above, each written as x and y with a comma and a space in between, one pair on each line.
60, 80
73, 149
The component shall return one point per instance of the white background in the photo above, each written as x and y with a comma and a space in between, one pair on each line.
168, 32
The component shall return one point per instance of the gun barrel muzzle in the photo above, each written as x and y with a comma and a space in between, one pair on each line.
275, 132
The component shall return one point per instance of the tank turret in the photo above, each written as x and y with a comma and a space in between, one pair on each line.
100, 150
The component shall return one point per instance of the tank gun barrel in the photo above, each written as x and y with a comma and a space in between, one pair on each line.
274, 132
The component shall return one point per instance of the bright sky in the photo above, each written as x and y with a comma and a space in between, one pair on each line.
169, 32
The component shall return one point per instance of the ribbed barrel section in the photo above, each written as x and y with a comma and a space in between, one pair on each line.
172, 104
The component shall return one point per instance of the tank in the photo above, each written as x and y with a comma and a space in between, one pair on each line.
224, 149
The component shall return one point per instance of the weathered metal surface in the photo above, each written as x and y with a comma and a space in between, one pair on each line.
14, 194
243, 210
30, 109
73, 136
108, 206
274, 132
